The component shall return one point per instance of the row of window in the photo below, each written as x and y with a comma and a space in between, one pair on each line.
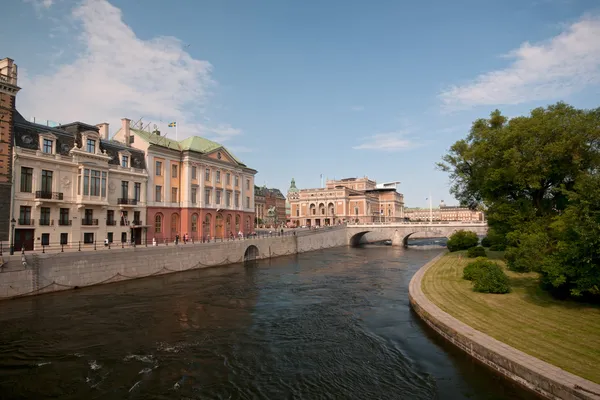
158, 223
207, 174
158, 195
88, 219
48, 148
88, 238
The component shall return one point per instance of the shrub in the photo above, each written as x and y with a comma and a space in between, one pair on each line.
476, 251
462, 240
486, 242
473, 268
497, 247
491, 279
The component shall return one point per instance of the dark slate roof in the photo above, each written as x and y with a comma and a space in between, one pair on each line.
27, 136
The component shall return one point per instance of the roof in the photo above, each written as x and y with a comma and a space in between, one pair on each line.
194, 143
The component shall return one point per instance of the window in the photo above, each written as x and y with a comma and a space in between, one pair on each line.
218, 177
124, 189
174, 223
247, 184
194, 173
237, 200
207, 196
64, 238
91, 146
356, 210
88, 238
123, 237
193, 195
47, 146
125, 161
45, 216
64, 216
25, 215
136, 218
89, 214
207, 175
247, 202
218, 202
46, 181
297, 212
158, 193
26, 179
45, 239
158, 168
237, 181
228, 199
91, 182
110, 235
228, 179
173, 171
110, 217
174, 195
158, 223
195, 223
137, 191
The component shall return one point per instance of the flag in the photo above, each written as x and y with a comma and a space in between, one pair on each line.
173, 125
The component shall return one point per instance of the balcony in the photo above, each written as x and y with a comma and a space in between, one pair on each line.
124, 223
44, 222
26, 221
125, 201
64, 222
111, 222
137, 222
89, 222
42, 194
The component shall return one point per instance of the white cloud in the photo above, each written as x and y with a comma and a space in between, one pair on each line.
393, 141
563, 65
117, 75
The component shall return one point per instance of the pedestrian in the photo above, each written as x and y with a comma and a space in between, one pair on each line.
177, 239
106, 242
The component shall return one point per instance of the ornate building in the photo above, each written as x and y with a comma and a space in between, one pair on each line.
75, 187
444, 213
196, 186
351, 200
8, 93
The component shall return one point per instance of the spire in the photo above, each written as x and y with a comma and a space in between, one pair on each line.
293, 187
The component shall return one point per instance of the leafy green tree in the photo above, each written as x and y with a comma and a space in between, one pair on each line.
486, 242
477, 251
462, 240
491, 279
473, 268
530, 174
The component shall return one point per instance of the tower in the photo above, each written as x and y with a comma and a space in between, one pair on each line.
8, 93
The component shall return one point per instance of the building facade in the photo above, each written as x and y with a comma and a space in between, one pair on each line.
270, 207
260, 205
351, 200
8, 94
196, 186
444, 213
74, 187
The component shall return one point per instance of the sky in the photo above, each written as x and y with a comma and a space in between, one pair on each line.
296, 89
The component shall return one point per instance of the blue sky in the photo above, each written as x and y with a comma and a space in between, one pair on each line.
303, 88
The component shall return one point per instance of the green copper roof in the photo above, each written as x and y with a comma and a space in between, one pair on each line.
194, 143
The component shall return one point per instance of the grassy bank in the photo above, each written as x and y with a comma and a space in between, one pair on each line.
563, 333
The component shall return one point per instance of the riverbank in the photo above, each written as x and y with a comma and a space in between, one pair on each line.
37, 273
546, 345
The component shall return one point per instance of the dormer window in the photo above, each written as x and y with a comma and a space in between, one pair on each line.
125, 158
125, 161
91, 146
47, 146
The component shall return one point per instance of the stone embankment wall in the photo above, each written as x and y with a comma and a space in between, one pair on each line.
547, 380
38, 273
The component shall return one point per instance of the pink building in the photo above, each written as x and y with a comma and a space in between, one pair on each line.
195, 186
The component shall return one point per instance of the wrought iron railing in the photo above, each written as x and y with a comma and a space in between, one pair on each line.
42, 194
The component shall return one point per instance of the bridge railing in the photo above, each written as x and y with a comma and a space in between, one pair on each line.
420, 223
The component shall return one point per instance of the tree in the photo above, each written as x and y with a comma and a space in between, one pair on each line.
462, 240
529, 172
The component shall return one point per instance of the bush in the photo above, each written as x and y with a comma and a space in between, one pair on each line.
497, 247
491, 279
486, 242
473, 268
476, 251
462, 240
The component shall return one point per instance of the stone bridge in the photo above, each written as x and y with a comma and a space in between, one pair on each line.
399, 233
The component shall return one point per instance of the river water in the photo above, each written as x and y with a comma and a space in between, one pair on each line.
331, 324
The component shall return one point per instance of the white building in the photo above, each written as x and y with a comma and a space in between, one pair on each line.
72, 186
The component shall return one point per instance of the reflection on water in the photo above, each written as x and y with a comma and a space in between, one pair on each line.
332, 324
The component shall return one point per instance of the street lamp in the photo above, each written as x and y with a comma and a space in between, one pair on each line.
12, 236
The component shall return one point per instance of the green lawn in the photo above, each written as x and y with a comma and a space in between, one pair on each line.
563, 333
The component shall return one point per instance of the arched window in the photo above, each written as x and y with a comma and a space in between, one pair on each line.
174, 223
158, 223
206, 225
194, 222
237, 223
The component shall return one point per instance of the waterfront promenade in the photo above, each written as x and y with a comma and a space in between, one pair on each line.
505, 331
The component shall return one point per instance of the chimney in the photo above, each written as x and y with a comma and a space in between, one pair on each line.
103, 130
126, 132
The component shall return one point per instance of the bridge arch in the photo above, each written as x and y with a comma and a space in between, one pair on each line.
251, 253
356, 238
430, 234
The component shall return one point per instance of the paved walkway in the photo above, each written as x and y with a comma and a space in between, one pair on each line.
546, 379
